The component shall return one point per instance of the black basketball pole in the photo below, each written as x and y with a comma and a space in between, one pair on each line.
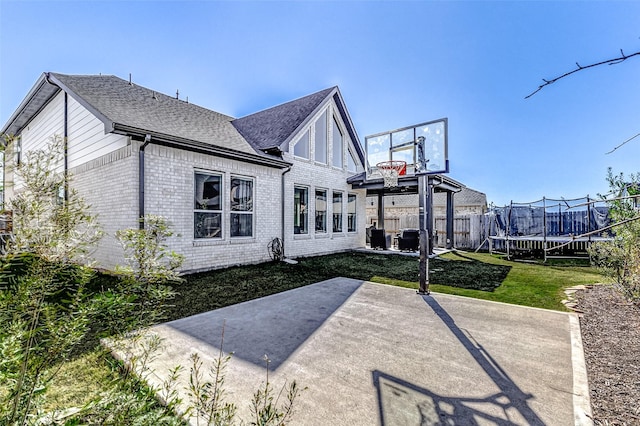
423, 194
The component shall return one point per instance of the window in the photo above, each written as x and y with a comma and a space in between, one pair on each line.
300, 213
351, 162
351, 213
321, 139
241, 207
337, 212
207, 209
321, 210
301, 148
337, 144
18, 149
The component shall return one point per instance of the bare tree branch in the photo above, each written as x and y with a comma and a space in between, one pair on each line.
613, 61
628, 140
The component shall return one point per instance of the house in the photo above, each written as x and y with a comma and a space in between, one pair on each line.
228, 186
467, 201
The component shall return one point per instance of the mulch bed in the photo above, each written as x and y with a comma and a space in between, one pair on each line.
611, 337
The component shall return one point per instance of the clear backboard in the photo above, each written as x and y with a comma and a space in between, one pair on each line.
423, 147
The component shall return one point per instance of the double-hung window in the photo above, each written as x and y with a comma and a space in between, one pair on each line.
321, 210
241, 206
351, 213
337, 212
207, 209
300, 210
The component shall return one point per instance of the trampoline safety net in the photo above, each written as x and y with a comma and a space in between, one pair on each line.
539, 226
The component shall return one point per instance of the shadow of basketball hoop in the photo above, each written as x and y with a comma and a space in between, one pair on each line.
403, 403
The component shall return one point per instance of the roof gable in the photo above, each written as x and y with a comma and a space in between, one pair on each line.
272, 127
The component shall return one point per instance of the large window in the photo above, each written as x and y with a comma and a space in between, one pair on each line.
321, 139
337, 144
351, 162
301, 148
241, 207
321, 210
300, 211
351, 213
337, 212
207, 209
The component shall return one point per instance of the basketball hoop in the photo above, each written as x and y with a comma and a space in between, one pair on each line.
390, 170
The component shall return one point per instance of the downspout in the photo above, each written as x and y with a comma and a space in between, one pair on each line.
283, 209
66, 148
147, 141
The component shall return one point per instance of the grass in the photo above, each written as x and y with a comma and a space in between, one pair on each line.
478, 275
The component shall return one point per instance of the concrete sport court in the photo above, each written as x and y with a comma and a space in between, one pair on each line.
376, 354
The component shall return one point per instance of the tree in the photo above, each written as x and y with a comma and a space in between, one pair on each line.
45, 310
620, 258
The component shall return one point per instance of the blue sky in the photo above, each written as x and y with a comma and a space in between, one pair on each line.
397, 64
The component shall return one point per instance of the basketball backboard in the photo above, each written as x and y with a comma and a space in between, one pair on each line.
424, 147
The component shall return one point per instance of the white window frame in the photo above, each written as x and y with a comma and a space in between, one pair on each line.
326, 210
220, 211
243, 212
339, 212
306, 213
355, 213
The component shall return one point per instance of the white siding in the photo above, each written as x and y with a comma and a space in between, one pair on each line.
87, 138
47, 124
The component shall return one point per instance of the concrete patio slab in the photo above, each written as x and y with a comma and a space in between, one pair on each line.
376, 354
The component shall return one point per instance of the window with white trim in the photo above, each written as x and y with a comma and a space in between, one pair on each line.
241, 207
351, 212
320, 138
351, 162
301, 148
321, 211
337, 144
337, 212
300, 210
207, 208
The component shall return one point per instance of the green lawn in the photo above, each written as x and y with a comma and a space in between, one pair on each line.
478, 275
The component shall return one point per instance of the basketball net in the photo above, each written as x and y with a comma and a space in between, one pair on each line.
390, 171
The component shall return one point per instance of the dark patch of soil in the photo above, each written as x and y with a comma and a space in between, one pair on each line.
611, 337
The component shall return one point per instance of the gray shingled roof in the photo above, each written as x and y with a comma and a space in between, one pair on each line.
272, 127
140, 108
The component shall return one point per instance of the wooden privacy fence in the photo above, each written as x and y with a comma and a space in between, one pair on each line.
469, 231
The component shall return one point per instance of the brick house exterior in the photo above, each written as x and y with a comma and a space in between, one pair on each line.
228, 186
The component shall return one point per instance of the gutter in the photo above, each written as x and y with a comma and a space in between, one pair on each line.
147, 141
202, 147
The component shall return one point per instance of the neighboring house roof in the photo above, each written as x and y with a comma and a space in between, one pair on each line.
273, 128
470, 197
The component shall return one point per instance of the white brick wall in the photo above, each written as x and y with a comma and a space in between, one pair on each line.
169, 192
110, 185
314, 176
